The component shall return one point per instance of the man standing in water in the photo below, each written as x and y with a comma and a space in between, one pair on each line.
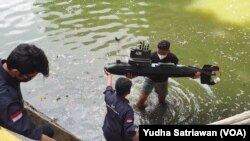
119, 120
23, 64
159, 83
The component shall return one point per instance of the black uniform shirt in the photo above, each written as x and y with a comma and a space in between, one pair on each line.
12, 114
171, 58
119, 120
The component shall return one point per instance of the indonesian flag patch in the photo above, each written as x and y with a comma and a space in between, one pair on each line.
129, 119
16, 116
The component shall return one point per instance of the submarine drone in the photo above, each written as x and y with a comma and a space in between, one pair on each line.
140, 64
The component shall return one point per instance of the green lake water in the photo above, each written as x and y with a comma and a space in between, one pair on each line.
78, 38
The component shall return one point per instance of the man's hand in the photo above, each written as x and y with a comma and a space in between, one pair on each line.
130, 75
46, 138
109, 76
197, 75
106, 73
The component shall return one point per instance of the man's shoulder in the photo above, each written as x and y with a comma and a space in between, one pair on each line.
6, 95
172, 54
154, 53
109, 89
173, 57
130, 109
5, 100
127, 108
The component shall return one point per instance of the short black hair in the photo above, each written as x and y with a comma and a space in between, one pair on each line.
27, 59
164, 45
123, 86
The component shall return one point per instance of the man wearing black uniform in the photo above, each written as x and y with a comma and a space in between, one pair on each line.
119, 120
159, 83
23, 64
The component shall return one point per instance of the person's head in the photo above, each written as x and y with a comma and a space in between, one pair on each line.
123, 86
163, 47
25, 61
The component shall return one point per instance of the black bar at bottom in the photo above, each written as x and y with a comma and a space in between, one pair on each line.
215, 132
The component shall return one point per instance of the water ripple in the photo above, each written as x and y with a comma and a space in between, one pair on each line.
26, 21
75, 21
97, 21
108, 17
7, 3
102, 11
15, 32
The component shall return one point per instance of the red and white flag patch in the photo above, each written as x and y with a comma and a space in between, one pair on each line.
129, 119
16, 116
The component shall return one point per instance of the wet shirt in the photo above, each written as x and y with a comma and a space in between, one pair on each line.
171, 58
119, 120
12, 113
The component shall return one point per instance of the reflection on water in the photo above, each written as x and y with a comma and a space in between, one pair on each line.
88, 24
78, 37
236, 12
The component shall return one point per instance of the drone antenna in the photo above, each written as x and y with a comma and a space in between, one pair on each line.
118, 47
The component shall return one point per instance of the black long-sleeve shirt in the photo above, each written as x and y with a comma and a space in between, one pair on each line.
171, 58
119, 120
12, 113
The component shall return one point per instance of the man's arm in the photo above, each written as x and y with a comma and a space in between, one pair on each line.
129, 126
109, 90
109, 78
175, 59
